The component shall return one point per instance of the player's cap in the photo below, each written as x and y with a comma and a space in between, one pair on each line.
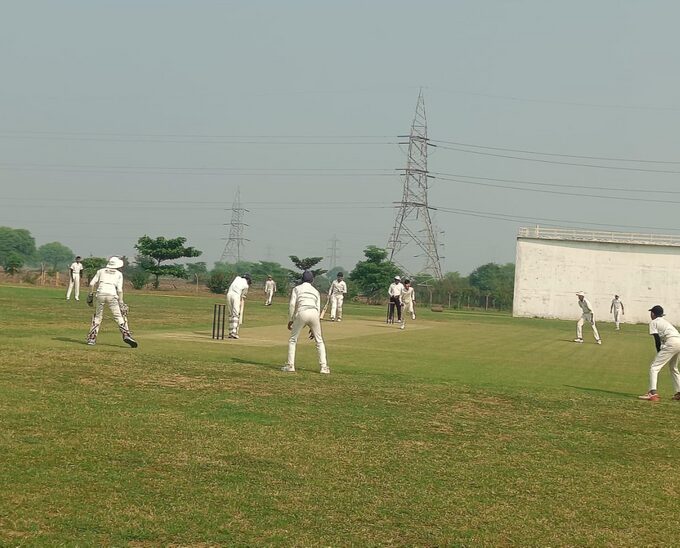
269, 277
407, 281
580, 294
340, 275
114, 262
307, 276
247, 277
397, 278
78, 257
657, 310
616, 296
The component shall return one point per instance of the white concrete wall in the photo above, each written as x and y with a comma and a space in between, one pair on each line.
548, 273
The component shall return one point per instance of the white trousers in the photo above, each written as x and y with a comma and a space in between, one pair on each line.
309, 318
73, 282
617, 317
410, 309
669, 353
579, 326
336, 306
270, 296
234, 306
113, 304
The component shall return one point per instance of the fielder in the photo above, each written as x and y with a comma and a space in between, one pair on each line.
303, 310
667, 340
394, 293
109, 284
336, 294
408, 300
617, 309
586, 316
269, 290
74, 278
236, 294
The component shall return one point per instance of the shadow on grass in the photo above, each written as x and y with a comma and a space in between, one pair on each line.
600, 391
267, 365
84, 343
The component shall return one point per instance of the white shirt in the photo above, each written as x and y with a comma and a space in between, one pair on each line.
110, 282
239, 286
270, 285
395, 289
585, 306
408, 295
338, 288
76, 269
304, 297
616, 304
663, 328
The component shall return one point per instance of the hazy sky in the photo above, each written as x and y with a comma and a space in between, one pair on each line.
124, 118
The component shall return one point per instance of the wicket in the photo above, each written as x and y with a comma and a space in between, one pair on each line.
219, 314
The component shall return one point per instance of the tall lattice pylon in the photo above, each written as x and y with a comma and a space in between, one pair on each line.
333, 250
233, 249
413, 224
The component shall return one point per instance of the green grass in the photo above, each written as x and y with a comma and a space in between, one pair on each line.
473, 430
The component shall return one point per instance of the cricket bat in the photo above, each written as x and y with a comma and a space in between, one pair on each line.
240, 314
323, 310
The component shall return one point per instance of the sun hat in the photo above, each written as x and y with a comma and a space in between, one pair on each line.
114, 262
398, 278
580, 294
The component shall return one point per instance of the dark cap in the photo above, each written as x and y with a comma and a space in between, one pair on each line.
247, 277
657, 310
340, 275
307, 276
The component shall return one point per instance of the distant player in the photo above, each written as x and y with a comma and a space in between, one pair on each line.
586, 316
236, 294
667, 340
303, 310
269, 290
617, 309
408, 299
394, 293
336, 294
74, 278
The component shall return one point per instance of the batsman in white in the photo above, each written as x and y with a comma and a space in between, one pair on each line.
303, 310
336, 294
74, 278
408, 299
109, 291
586, 316
269, 290
618, 311
236, 294
667, 340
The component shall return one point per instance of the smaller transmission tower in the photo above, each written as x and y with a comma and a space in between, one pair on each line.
233, 249
413, 223
333, 250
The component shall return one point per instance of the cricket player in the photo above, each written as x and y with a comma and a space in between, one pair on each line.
303, 310
336, 294
394, 293
109, 291
617, 309
586, 316
236, 294
269, 290
74, 278
408, 300
667, 340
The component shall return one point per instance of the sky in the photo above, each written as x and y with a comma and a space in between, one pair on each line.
127, 118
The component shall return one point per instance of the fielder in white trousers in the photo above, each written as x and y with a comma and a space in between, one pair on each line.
586, 316
303, 311
74, 279
667, 341
235, 296
336, 294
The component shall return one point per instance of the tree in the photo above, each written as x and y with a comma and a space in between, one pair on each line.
55, 255
18, 240
161, 249
13, 262
91, 265
374, 275
497, 281
305, 264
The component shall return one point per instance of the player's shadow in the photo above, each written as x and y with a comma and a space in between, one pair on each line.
84, 343
600, 391
267, 365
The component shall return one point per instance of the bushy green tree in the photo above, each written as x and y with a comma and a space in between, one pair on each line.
55, 255
13, 262
17, 240
374, 275
160, 250
495, 281
91, 265
305, 264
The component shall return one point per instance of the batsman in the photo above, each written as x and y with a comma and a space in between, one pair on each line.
236, 295
109, 292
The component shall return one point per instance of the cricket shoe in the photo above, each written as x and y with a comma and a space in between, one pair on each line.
288, 368
325, 371
578, 340
129, 340
599, 341
339, 319
676, 396
91, 343
233, 336
402, 326
649, 397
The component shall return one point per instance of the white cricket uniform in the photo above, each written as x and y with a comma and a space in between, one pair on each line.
394, 292
408, 298
74, 280
269, 290
303, 310
235, 295
336, 294
586, 316
109, 282
617, 309
669, 352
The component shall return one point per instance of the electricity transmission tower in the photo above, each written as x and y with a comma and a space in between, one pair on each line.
333, 259
233, 249
413, 224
